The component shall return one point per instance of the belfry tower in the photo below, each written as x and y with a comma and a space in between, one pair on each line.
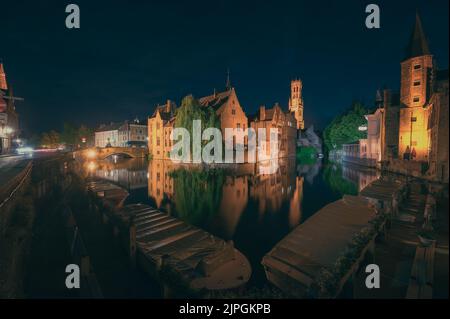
3, 84
296, 102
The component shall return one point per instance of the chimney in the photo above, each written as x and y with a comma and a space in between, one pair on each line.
262, 113
168, 106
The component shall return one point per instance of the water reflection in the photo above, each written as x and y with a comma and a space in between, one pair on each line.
348, 179
129, 173
361, 177
216, 199
238, 203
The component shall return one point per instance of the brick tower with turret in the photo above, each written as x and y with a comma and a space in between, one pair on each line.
296, 102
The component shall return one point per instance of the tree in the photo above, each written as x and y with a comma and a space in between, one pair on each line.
50, 139
69, 134
345, 128
191, 110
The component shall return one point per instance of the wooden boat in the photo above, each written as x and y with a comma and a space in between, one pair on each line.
295, 262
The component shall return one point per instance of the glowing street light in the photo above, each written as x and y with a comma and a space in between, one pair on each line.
91, 153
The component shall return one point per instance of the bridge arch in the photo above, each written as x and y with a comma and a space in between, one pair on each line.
103, 153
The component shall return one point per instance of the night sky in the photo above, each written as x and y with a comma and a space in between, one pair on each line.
130, 55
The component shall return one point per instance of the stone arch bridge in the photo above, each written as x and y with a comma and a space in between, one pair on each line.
97, 153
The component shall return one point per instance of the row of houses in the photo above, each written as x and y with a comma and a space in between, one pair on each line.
125, 134
409, 131
231, 114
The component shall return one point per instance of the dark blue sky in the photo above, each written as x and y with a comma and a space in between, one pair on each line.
130, 55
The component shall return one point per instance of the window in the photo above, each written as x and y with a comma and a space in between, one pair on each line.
416, 83
416, 99
417, 67
233, 111
238, 125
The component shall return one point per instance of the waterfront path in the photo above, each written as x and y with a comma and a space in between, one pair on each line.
10, 167
395, 255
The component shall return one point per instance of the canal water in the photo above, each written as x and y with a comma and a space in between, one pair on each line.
237, 204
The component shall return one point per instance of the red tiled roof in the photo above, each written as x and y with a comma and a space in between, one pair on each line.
215, 100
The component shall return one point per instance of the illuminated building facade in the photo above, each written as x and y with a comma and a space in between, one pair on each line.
126, 134
423, 127
287, 129
9, 119
296, 102
410, 129
160, 126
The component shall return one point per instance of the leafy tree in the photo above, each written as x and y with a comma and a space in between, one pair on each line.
50, 139
69, 134
344, 128
191, 110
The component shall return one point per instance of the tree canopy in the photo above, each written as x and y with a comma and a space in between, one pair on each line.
50, 139
191, 110
70, 135
344, 128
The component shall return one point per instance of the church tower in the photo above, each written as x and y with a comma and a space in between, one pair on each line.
416, 88
3, 84
296, 102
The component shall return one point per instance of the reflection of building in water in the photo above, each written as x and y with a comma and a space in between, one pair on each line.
131, 174
160, 183
360, 178
272, 191
295, 206
234, 201
309, 171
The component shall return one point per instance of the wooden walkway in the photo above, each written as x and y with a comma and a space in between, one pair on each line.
421, 281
